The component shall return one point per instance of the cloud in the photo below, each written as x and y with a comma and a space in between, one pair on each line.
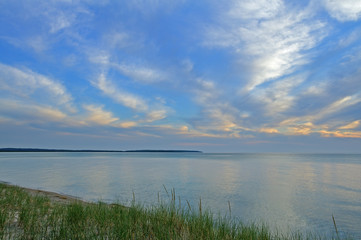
156, 115
277, 97
301, 129
269, 35
22, 112
126, 99
44, 25
219, 118
141, 74
128, 124
316, 89
50, 113
333, 108
351, 38
261, 9
96, 114
99, 116
38, 44
306, 125
344, 10
157, 111
351, 125
338, 105
269, 130
116, 40
136, 72
340, 134
60, 21
25, 84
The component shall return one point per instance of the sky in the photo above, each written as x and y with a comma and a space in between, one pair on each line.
215, 76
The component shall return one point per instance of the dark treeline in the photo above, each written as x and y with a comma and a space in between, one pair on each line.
67, 150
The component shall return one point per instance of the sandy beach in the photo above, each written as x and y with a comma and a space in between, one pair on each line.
53, 196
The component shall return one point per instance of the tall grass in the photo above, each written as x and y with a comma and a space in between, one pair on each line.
23, 216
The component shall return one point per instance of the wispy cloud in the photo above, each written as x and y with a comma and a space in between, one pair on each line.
277, 97
306, 125
60, 21
156, 115
99, 116
340, 134
128, 100
351, 125
338, 105
22, 112
345, 10
333, 108
272, 36
261, 9
220, 117
151, 113
316, 89
178, 72
268, 130
26, 84
141, 74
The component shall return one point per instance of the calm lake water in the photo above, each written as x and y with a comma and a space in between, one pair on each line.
290, 191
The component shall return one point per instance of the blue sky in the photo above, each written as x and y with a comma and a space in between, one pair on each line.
217, 76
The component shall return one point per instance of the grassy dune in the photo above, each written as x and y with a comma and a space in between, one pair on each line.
25, 215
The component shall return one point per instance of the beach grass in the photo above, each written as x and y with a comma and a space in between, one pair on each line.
29, 216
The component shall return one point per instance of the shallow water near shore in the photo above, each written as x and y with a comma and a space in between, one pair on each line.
289, 191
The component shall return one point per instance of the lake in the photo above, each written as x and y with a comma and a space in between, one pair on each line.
287, 191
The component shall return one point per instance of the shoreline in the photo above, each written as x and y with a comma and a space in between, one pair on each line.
53, 196
68, 217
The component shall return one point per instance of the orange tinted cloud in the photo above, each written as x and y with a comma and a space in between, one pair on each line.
269, 130
352, 125
340, 134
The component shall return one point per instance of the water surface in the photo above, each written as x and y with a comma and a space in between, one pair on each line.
290, 191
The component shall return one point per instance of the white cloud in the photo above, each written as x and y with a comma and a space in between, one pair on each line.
339, 105
99, 116
277, 98
272, 37
21, 111
37, 43
277, 46
141, 74
344, 10
220, 117
126, 99
156, 115
26, 84
101, 58
135, 72
251, 9
335, 107
60, 22
151, 113
316, 89
353, 37
351, 125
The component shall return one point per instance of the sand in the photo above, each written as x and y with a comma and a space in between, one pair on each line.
53, 196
